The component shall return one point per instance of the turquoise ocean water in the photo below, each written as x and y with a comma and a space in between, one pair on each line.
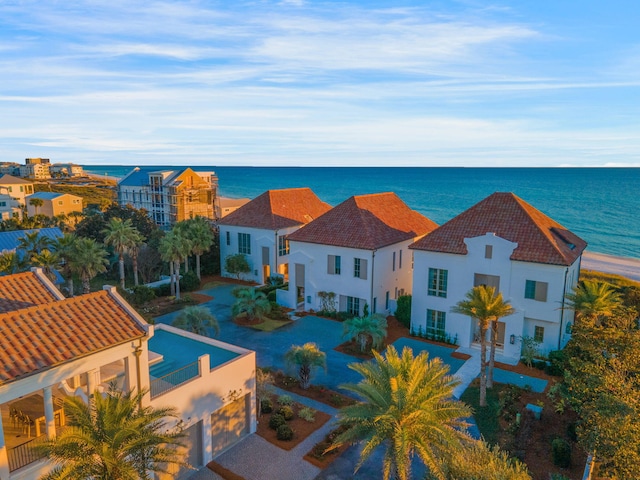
600, 205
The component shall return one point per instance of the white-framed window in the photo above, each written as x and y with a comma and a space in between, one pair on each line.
283, 246
386, 300
360, 268
538, 334
76, 201
436, 322
60, 202
437, 286
356, 267
353, 305
536, 290
333, 264
244, 243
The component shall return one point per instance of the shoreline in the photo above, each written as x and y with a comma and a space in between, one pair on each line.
601, 262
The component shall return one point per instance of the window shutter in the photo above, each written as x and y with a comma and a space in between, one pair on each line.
541, 291
331, 264
363, 268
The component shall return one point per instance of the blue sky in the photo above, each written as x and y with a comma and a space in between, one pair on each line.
301, 82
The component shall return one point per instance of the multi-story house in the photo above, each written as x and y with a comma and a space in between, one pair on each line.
54, 203
36, 168
504, 242
259, 230
16, 188
52, 347
359, 252
66, 170
170, 196
9, 207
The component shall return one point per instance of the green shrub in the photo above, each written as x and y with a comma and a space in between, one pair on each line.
284, 432
276, 421
342, 316
271, 296
307, 414
266, 405
141, 295
286, 411
561, 450
540, 364
163, 290
285, 400
189, 282
403, 311
571, 431
557, 360
558, 476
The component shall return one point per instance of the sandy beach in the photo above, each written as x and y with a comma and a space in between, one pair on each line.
626, 266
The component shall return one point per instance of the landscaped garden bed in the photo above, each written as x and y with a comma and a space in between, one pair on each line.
320, 456
315, 392
225, 473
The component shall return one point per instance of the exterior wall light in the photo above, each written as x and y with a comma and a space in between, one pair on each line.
512, 339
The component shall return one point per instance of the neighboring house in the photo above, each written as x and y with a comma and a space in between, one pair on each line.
9, 168
170, 196
9, 207
358, 251
504, 242
53, 347
259, 230
225, 205
54, 204
66, 170
36, 168
16, 188
10, 240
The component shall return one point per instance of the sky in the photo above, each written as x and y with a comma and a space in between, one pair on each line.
299, 82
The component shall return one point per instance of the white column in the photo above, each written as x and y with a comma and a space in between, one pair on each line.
48, 414
4, 457
92, 381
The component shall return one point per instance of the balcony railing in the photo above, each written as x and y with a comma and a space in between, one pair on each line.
24, 454
174, 379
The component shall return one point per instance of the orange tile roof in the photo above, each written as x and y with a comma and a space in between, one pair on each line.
276, 209
37, 338
366, 222
24, 290
540, 239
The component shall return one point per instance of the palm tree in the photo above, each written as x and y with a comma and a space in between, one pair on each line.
65, 247
407, 409
36, 203
33, 243
305, 358
174, 248
89, 259
252, 303
364, 329
201, 236
197, 319
46, 260
113, 437
10, 263
485, 305
122, 236
592, 300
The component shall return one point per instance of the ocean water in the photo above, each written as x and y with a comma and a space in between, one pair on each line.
600, 205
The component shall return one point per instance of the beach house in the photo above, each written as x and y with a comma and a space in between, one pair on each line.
16, 188
53, 204
504, 242
260, 229
357, 253
52, 347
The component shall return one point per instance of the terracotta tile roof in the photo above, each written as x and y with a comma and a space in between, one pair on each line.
276, 209
366, 222
24, 290
540, 239
37, 338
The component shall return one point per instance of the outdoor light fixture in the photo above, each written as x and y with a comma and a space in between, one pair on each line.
512, 339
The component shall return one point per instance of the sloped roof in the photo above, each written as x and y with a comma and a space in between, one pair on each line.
7, 179
37, 338
276, 209
47, 195
9, 240
23, 290
540, 239
366, 222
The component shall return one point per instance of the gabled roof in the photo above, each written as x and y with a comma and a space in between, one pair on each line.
11, 180
540, 239
48, 195
23, 290
37, 338
276, 209
366, 222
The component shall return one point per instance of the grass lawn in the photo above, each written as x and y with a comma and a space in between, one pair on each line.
269, 325
487, 417
213, 284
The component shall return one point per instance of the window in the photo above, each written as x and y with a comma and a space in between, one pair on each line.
76, 201
244, 243
3, 204
353, 306
536, 290
436, 323
487, 280
333, 264
396, 293
356, 267
21, 189
360, 268
386, 301
400, 260
437, 282
283, 246
394, 261
488, 251
228, 238
60, 202
538, 334
375, 305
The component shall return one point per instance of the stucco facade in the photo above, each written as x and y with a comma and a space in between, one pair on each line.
54, 204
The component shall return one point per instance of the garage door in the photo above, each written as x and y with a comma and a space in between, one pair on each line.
192, 454
229, 424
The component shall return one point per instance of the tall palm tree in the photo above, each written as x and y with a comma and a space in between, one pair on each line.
174, 248
364, 329
201, 236
197, 319
122, 236
33, 243
486, 306
46, 260
89, 259
10, 263
113, 438
36, 203
65, 248
407, 409
252, 303
305, 357
592, 301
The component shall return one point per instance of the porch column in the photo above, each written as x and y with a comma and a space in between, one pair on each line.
48, 414
4, 457
92, 381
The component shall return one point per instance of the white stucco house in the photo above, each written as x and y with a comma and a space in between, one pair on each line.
501, 241
359, 251
54, 347
260, 229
